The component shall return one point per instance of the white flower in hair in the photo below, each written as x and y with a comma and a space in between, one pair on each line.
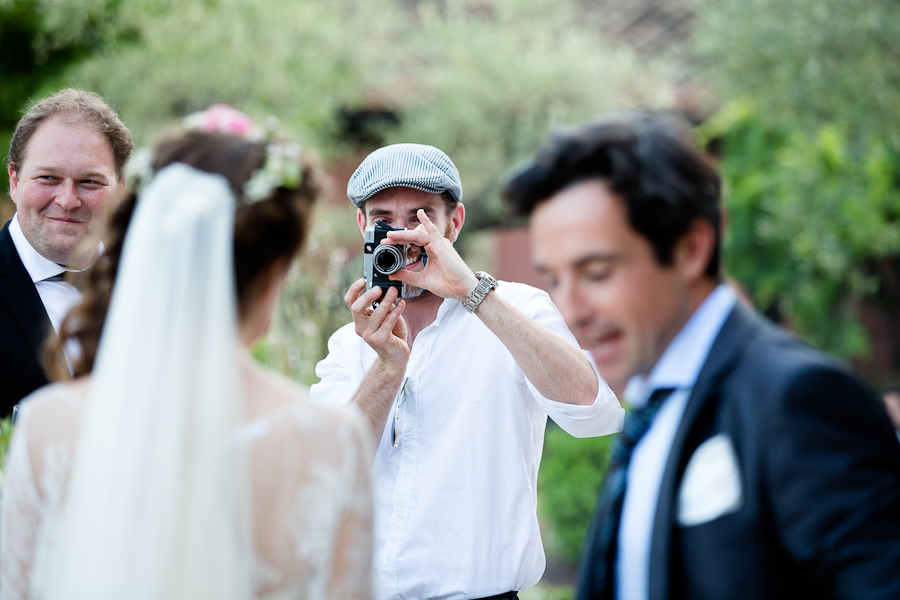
282, 166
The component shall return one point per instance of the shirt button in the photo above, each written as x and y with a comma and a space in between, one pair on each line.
387, 560
406, 472
408, 428
398, 518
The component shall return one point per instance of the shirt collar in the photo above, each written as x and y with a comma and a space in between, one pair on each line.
682, 360
38, 266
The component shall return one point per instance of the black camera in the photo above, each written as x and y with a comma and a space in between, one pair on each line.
381, 260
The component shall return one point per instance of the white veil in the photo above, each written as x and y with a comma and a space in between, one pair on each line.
156, 507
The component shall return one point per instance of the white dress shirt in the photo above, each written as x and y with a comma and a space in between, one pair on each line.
455, 501
677, 368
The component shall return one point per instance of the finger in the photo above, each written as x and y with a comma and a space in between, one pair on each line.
433, 232
375, 317
353, 293
417, 236
378, 334
387, 326
366, 300
415, 278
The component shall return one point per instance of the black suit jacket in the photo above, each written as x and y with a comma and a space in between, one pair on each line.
24, 328
819, 466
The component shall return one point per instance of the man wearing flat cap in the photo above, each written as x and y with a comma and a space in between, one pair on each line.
456, 379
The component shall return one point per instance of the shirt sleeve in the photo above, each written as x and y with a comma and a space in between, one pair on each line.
605, 415
338, 379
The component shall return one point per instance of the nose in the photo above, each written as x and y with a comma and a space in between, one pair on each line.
568, 299
68, 196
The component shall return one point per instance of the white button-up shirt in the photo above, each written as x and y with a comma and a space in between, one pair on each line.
455, 501
678, 369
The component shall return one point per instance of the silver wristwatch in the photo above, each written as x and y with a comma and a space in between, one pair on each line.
485, 284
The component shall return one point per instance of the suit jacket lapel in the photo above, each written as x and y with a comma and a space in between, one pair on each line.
21, 296
740, 326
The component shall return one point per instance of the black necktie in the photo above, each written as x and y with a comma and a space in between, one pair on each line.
597, 569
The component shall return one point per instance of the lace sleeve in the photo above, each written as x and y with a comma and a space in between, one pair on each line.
20, 518
351, 564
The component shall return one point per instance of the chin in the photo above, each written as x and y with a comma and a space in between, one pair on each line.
412, 292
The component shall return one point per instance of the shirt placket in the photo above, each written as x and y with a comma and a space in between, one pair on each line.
408, 447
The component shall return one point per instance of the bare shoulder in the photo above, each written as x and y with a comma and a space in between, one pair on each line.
274, 395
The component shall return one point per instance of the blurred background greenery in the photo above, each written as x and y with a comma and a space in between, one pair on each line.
797, 100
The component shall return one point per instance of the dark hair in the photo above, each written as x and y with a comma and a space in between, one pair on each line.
649, 160
77, 106
265, 232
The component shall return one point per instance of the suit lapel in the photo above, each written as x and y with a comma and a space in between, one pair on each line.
21, 297
737, 331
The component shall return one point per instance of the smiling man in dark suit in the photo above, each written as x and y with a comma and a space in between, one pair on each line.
751, 466
66, 161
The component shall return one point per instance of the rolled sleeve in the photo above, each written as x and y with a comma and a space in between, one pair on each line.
602, 417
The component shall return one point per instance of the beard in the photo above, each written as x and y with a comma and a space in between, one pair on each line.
412, 292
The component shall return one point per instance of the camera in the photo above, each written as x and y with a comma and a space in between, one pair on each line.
381, 260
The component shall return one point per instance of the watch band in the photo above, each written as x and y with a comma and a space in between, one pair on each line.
485, 284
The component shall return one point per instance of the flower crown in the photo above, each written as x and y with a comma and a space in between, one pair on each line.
282, 166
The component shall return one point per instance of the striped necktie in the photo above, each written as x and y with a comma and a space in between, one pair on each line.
597, 569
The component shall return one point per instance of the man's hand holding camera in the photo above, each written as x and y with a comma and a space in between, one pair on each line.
445, 274
381, 327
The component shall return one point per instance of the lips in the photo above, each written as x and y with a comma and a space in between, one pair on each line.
605, 345
413, 257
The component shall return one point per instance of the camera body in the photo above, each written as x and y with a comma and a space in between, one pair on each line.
381, 260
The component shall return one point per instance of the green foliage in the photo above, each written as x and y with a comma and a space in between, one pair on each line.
572, 470
811, 147
6, 430
39, 40
483, 83
547, 592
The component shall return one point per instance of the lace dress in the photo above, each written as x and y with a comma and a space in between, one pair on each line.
310, 494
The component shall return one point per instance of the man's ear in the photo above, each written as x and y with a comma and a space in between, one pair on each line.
13, 181
694, 250
361, 221
457, 218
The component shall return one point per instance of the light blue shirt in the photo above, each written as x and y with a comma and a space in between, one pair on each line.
677, 368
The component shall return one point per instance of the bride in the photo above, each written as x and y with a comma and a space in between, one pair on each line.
172, 466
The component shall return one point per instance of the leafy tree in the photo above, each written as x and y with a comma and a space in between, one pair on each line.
39, 40
811, 147
484, 82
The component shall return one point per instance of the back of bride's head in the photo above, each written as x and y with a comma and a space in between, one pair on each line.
274, 184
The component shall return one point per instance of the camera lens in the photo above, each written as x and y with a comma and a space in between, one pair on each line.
387, 259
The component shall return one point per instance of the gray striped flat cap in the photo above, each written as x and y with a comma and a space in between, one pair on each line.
404, 165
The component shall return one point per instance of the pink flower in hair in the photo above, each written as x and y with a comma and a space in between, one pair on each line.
221, 118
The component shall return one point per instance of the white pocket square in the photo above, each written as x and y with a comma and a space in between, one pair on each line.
711, 486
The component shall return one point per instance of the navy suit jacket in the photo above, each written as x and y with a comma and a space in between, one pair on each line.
24, 328
819, 466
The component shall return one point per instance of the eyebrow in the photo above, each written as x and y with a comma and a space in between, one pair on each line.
586, 260
382, 212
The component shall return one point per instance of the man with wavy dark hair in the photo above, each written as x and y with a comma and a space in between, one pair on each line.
66, 161
751, 466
